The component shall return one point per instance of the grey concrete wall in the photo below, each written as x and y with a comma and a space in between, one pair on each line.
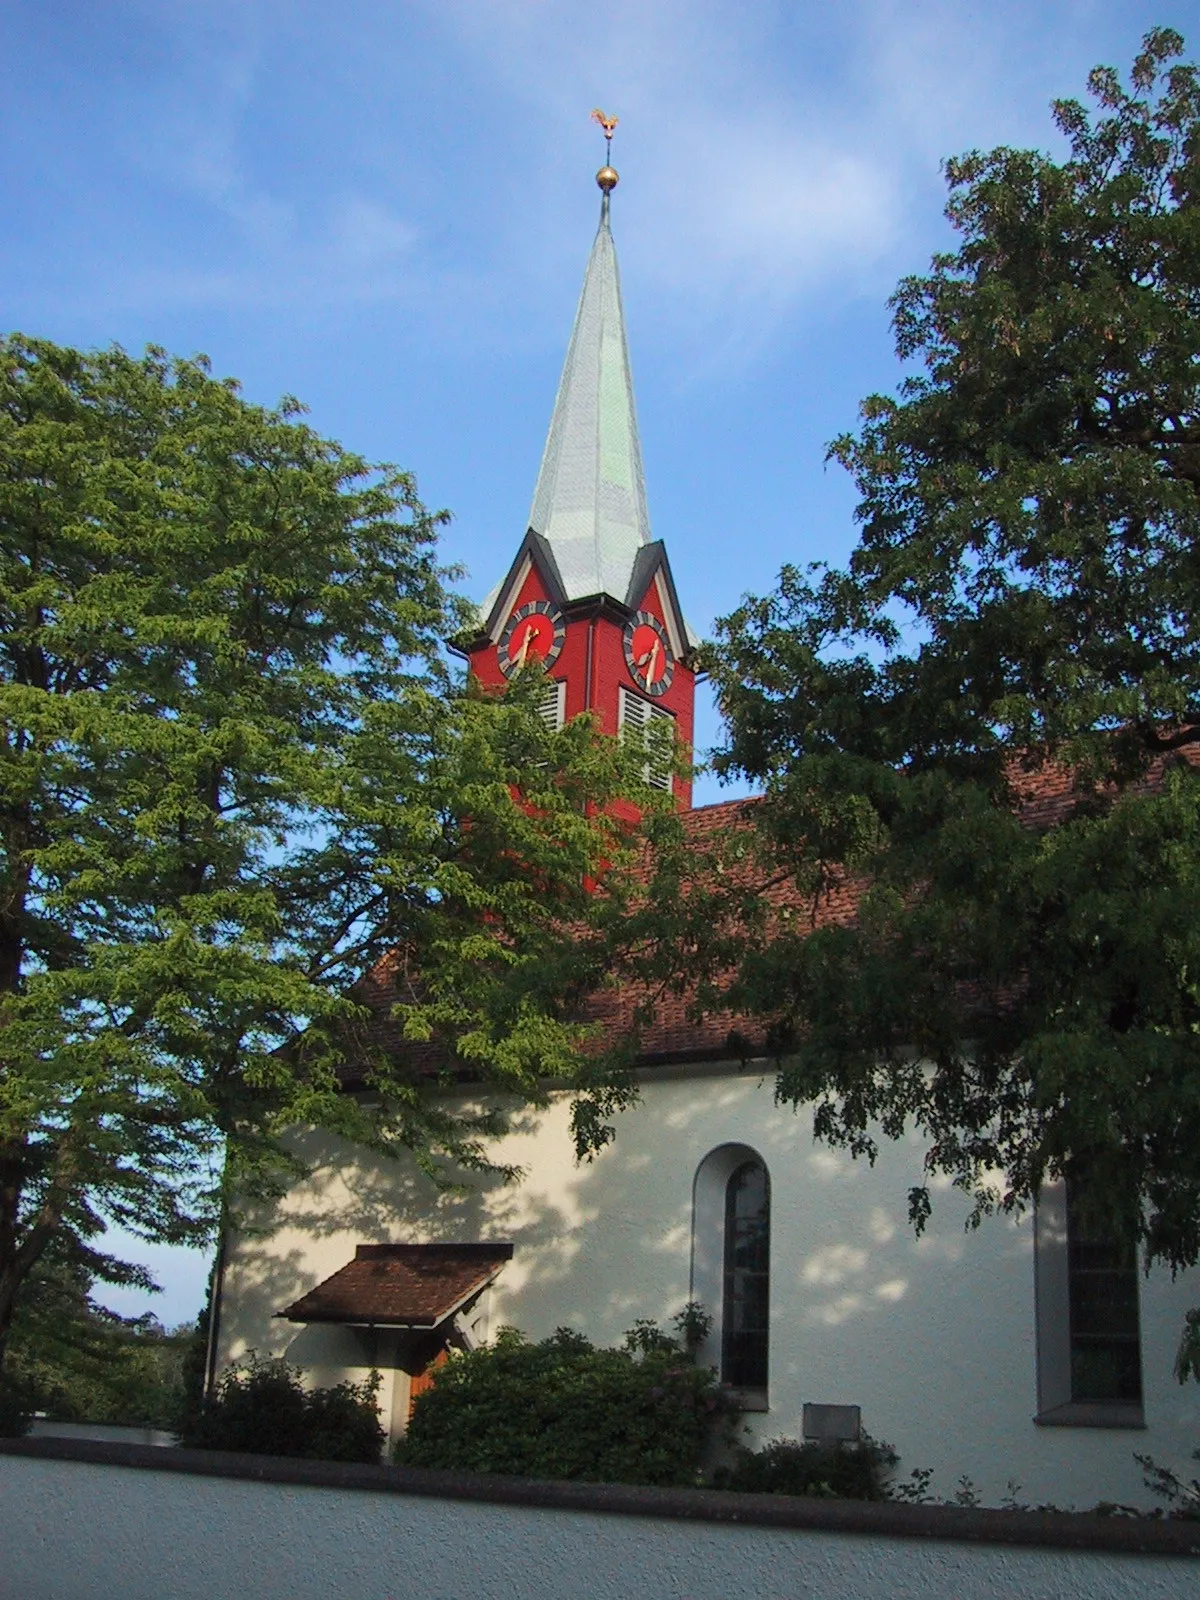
74, 1529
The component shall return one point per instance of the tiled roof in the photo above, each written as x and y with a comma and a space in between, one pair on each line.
671, 1036
401, 1285
1045, 795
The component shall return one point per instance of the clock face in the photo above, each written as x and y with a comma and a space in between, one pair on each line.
648, 654
535, 632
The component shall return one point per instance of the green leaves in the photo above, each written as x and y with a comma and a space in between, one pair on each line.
563, 1409
236, 773
989, 718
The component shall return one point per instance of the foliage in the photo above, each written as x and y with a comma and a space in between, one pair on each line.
856, 1471
264, 1408
989, 721
563, 1409
1181, 1495
75, 1361
235, 771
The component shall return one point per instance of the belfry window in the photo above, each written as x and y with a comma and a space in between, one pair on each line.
745, 1308
552, 705
653, 728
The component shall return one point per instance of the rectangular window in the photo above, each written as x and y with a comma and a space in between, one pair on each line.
638, 718
1089, 1345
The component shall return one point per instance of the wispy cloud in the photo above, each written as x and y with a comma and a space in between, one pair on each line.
777, 154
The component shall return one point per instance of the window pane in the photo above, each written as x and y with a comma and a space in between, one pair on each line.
1105, 1344
745, 1317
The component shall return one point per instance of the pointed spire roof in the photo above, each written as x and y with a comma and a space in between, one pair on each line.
590, 500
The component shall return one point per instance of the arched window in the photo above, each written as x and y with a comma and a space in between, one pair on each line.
746, 1296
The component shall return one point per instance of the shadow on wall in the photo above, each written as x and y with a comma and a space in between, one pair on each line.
600, 1244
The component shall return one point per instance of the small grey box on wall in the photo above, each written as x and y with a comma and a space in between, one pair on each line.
830, 1424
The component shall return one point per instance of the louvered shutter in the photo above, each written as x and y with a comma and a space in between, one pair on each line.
637, 718
552, 705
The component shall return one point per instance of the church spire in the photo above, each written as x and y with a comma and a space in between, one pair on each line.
590, 500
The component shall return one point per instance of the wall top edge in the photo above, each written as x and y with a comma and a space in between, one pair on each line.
1064, 1530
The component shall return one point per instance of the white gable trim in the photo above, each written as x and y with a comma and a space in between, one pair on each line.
679, 647
504, 608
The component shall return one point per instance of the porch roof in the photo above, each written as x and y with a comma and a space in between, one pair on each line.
401, 1285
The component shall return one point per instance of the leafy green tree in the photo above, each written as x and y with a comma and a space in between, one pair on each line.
75, 1361
990, 720
236, 770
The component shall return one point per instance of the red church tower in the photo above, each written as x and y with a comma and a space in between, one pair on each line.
589, 592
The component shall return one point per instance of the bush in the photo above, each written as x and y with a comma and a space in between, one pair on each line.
836, 1471
264, 1409
1181, 1494
563, 1409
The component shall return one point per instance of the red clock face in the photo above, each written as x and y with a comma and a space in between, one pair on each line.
535, 632
648, 653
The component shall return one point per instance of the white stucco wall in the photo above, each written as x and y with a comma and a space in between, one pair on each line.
934, 1337
79, 1531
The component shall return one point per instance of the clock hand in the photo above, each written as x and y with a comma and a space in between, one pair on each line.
524, 647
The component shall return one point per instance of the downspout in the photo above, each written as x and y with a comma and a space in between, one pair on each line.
587, 667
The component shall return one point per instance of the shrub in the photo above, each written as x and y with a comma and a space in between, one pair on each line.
785, 1466
263, 1408
563, 1409
1181, 1494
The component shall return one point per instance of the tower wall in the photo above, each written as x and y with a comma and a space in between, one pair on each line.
595, 685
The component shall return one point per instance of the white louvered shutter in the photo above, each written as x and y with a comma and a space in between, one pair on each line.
553, 704
637, 718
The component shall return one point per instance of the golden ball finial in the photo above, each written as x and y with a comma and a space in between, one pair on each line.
608, 179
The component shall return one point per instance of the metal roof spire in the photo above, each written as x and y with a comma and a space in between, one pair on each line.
590, 500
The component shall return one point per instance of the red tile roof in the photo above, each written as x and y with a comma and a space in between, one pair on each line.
401, 1285
1045, 795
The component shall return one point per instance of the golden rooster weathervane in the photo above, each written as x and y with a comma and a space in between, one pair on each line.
607, 177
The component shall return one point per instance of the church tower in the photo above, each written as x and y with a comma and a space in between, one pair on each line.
589, 592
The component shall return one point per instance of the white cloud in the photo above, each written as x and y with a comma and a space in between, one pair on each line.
777, 157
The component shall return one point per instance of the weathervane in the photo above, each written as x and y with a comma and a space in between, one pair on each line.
607, 176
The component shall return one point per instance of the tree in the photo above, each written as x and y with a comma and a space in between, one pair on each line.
75, 1361
991, 718
235, 770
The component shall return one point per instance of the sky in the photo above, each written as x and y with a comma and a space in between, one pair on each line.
385, 210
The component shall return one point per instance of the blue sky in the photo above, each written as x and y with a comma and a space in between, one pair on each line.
385, 210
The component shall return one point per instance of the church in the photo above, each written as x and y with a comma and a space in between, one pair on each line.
1019, 1353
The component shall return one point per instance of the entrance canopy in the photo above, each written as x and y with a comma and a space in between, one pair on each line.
401, 1285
